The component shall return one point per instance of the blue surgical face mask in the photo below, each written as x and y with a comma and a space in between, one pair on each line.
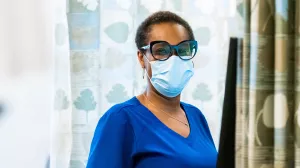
171, 76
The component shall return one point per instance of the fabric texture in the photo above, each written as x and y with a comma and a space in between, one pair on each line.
129, 135
268, 127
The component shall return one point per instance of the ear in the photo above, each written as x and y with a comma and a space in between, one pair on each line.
141, 58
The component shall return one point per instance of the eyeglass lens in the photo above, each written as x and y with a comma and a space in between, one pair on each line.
163, 50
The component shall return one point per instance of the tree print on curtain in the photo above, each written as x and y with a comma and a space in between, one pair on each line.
117, 94
202, 93
85, 102
61, 101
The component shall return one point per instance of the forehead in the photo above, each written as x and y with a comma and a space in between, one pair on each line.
171, 32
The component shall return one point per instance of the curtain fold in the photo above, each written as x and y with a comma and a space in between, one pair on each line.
61, 125
84, 39
268, 92
296, 120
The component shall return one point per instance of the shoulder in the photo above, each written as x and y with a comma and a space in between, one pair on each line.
186, 105
115, 122
192, 109
195, 112
113, 138
119, 113
122, 109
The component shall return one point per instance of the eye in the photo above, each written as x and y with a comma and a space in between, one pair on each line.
187, 48
184, 51
161, 51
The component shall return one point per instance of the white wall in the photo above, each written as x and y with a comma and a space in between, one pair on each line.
25, 82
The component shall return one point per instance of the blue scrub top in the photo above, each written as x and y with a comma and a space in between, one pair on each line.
130, 136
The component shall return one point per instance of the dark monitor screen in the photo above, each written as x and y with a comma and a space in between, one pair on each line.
226, 155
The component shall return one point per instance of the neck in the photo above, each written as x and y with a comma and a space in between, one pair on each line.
166, 103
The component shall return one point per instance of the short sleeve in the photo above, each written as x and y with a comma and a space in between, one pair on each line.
113, 142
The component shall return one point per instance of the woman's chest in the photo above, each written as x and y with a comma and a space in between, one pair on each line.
155, 160
174, 153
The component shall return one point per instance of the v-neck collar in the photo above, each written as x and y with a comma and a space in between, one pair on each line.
158, 121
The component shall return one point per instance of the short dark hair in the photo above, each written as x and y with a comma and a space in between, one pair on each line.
144, 29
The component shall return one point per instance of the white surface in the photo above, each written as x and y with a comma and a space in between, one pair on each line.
25, 130
25, 82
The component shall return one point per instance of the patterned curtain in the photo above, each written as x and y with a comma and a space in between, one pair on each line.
61, 123
268, 115
98, 67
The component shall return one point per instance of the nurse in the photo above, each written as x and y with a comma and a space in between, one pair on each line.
155, 129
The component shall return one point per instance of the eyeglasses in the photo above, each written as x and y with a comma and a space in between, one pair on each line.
162, 50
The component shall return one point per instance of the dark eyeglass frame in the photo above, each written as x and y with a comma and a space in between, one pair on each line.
172, 48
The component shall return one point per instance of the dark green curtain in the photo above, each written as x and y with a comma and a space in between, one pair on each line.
268, 86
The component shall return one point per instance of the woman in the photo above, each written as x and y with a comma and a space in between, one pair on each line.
155, 129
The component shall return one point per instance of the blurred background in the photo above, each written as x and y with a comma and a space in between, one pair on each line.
63, 63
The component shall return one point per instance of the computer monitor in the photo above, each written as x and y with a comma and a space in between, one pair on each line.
226, 155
